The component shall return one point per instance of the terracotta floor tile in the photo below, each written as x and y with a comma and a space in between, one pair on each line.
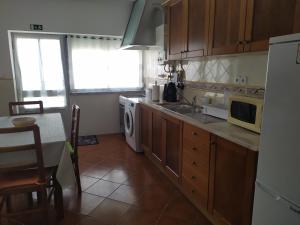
102, 188
83, 204
136, 216
126, 194
97, 171
109, 211
117, 176
90, 221
86, 182
172, 221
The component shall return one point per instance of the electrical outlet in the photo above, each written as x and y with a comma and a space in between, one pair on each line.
237, 80
243, 80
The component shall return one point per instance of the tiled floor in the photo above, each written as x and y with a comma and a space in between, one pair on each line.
121, 187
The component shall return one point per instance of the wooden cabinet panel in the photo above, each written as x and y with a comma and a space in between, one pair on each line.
269, 18
146, 125
227, 25
172, 133
198, 25
177, 29
232, 179
157, 145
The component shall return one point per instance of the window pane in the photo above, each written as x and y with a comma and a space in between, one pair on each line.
52, 64
99, 64
48, 102
29, 63
89, 68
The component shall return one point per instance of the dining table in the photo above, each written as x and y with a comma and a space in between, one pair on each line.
54, 147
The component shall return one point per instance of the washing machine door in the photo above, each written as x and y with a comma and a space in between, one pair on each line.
128, 120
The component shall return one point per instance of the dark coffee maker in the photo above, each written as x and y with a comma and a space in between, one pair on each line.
170, 92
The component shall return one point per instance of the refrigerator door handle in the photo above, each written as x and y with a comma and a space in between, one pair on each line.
295, 210
291, 205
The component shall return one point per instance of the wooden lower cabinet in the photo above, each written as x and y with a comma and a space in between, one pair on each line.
216, 175
232, 180
146, 128
172, 145
157, 139
165, 148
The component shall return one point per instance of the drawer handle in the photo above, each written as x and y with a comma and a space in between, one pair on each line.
194, 133
194, 149
193, 191
194, 178
194, 163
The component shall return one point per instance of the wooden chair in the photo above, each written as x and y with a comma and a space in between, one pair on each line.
74, 143
24, 178
14, 105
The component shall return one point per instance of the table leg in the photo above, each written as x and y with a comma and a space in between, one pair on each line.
58, 200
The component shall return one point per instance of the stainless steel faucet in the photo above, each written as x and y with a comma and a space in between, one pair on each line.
194, 103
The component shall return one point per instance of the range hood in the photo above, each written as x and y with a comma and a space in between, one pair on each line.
140, 32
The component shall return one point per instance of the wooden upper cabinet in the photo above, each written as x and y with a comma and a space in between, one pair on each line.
198, 27
270, 18
227, 25
177, 29
232, 181
146, 126
172, 144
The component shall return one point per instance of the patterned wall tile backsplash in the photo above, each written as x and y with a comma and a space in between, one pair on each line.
215, 73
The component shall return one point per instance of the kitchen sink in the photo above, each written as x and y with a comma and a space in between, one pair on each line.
179, 108
189, 111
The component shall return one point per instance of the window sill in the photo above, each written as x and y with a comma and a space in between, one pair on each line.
105, 91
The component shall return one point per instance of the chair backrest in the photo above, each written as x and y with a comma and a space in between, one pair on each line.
37, 166
75, 128
14, 105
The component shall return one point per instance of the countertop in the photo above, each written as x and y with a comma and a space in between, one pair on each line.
221, 128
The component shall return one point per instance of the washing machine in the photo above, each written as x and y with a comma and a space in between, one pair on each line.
132, 123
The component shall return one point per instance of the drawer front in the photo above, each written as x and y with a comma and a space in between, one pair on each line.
198, 196
196, 176
196, 152
196, 136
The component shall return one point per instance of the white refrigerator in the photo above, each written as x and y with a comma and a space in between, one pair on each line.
277, 190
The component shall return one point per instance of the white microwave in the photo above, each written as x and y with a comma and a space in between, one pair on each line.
246, 112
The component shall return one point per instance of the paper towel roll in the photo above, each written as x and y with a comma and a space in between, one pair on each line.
155, 93
161, 93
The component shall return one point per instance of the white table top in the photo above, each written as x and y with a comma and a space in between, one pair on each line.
51, 130
53, 139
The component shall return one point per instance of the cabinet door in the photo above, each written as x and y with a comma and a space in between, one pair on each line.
227, 26
270, 18
233, 172
157, 150
146, 125
177, 29
198, 26
172, 142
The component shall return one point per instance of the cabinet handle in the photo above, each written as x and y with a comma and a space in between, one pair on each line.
194, 133
194, 163
194, 149
193, 191
194, 178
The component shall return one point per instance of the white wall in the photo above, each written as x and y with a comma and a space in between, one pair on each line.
103, 17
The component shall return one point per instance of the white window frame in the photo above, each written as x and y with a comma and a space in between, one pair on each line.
16, 69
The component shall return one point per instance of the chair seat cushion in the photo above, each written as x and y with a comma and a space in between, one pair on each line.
19, 180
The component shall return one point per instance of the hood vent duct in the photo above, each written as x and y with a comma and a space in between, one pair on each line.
140, 32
